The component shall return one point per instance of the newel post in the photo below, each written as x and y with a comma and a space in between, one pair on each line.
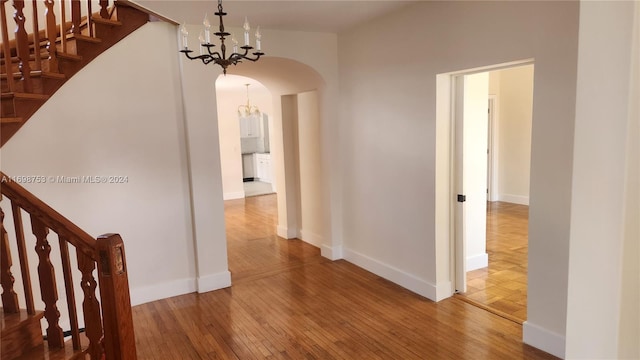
119, 339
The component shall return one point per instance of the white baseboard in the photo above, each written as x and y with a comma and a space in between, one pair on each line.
212, 282
286, 232
444, 290
543, 339
145, 294
311, 238
233, 195
514, 199
331, 252
395, 275
476, 262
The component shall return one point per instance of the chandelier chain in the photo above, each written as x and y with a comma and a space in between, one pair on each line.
220, 14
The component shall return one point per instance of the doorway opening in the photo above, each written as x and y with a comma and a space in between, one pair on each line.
245, 137
295, 208
493, 113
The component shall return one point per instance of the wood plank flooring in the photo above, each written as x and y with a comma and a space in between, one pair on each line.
502, 286
287, 302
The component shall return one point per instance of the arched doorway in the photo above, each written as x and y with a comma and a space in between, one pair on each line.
296, 153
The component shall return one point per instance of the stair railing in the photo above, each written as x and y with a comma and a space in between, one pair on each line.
41, 31
107, 317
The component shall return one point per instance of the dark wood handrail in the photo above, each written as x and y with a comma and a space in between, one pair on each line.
49, 217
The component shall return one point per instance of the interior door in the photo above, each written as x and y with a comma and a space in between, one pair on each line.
472, 93
459, 196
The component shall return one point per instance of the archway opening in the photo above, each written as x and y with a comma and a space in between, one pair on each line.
295, 157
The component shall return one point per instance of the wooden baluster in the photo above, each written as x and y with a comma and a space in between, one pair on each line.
24, 260
119, 339
104, 11
63, 26
9, 297
48, 288
22, 44
52, 35
6, 48
76, 15
90, 306
71, 297
89, 19
36, 37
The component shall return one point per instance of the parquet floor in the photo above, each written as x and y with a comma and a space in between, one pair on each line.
502, 286
287, 302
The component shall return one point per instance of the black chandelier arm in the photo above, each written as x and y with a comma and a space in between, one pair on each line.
215, 54
237, 56
206, 59
257, 56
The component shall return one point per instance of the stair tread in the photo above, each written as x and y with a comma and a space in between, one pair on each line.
11, 120
99, 20
9, 322
14, 59
53, 75
18, 75
24, 96
35, 74
67, 56
21, 332
43, 351
86, 38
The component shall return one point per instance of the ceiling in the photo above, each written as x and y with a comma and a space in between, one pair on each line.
300, 15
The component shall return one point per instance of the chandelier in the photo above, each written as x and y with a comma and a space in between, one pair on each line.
248, 110
207, 55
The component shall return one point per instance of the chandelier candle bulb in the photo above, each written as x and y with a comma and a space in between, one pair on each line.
207, 29
246, 31
258, 38
202, 41
185, 36
235, 44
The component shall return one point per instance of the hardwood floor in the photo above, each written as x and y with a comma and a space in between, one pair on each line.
287, 302
502, 287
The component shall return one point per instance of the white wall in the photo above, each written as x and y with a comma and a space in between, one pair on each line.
311, 218
629, 346
605, 165
515, 101
390, 218
287, 167
145, 133
142, 140
231, 93
203, 154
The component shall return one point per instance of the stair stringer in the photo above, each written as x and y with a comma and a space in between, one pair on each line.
107, 34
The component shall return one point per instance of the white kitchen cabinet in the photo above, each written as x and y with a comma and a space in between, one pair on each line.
263, 167
250, 127
248, 166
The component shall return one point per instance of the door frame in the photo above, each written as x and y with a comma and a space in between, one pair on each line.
445, 182
494, 148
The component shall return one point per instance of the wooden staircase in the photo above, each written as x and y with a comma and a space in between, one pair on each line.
44, 51
108, 324
36, 63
